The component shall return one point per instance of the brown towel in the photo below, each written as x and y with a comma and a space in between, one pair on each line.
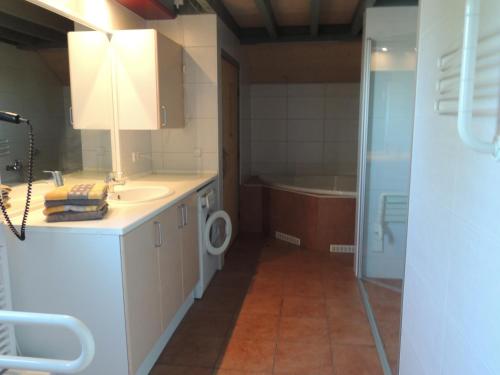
78, 216
75, 202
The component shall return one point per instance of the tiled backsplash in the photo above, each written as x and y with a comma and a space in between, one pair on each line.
194, 147
304, 128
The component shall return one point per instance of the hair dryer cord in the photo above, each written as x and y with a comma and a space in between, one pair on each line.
31, 151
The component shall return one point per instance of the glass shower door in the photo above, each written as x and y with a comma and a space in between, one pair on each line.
384, 181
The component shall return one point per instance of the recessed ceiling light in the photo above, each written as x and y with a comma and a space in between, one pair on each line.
384, 49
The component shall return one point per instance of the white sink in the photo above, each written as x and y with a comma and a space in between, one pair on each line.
138, 194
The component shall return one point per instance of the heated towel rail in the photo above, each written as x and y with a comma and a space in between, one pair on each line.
475, 96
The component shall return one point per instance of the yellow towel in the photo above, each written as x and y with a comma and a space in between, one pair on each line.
5, 188
70, 208
78, 192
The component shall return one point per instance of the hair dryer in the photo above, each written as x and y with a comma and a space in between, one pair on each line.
14, 118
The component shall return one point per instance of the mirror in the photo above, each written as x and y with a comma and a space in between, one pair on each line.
34, 82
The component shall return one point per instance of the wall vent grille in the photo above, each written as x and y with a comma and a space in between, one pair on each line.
342, 249
287, 238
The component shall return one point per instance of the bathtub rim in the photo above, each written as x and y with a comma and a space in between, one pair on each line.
319, 193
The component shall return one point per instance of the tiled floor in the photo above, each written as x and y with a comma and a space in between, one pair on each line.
386, 306
275, 309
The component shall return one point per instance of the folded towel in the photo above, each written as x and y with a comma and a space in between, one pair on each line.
78, 192
70, 208
5, 188
75, 202
78, 216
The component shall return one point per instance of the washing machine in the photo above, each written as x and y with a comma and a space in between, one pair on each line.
214, 236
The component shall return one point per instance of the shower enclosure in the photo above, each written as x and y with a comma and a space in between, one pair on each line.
383, 184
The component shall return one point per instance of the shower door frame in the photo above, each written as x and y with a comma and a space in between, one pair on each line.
362, 152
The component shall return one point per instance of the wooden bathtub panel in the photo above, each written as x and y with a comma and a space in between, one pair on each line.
291, 213
251, 214
336, 222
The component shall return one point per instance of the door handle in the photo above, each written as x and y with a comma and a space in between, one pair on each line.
163, 116
158, 234
180, 211
185, 215
71, 115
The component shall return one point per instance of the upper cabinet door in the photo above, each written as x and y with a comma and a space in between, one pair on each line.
91, 83
148, 80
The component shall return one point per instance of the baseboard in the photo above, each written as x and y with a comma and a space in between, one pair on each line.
154, 354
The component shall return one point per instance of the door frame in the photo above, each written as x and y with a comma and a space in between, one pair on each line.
224, 55
362, 154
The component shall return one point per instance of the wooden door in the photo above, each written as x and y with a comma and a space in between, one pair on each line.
230, 142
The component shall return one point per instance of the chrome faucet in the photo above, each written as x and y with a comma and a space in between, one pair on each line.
16, 166
113, 179
57, 177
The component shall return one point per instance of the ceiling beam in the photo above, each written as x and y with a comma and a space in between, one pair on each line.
298, 34
218, 8
267, 14
357, 19
30, 29
315, 10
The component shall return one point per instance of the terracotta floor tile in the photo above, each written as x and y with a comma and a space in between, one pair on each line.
304, 306
202, 323
356, 360
255, 327
248, 355
180, 370
192, 351
262, 304
302, 328
267, 285
239, 372
355, 311
299, 357
298, 287
348, 330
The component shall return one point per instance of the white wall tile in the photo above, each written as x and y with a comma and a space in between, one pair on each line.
306, 90
200, 30
200, 64
296, 115
200, 100
306, 108
305, 152
269, 151
305, 130
268, 108
268, 130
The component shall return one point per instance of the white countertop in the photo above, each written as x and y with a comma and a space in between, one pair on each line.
121, 218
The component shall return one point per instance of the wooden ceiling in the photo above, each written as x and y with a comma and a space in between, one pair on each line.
263, 21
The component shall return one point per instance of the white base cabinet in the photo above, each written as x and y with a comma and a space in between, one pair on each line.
132, 291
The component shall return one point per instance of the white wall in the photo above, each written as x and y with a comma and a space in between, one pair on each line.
195, 147
451, 298
390, 126
304, 129
29, 87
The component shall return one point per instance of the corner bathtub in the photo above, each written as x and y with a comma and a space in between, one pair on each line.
317, 185
319, 211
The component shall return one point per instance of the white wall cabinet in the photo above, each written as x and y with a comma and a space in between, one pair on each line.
91, 86
138, 74
148, 79
132, 290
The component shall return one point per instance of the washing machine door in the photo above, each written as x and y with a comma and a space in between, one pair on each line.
214, 219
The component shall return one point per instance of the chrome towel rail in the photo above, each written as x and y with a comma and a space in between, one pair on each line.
477, 93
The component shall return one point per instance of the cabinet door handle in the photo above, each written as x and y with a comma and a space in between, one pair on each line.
180, 211
71, 115
163, 116
158, 234
185, 215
